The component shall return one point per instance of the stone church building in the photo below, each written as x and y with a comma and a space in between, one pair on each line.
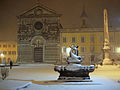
39, 35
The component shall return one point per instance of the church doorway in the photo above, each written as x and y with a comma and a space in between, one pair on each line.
38, 54
38, 49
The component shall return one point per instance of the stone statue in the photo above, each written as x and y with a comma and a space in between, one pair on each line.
74, 71
74, 58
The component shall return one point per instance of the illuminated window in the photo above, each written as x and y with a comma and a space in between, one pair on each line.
73, 39
64, 39
82, 39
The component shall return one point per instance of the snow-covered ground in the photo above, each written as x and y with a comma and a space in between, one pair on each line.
104, 78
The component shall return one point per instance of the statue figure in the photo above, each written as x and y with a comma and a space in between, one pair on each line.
74, 58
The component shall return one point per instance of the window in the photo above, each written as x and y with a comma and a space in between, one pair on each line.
9, 59
64, 49
101, 38
9, 52
9, 46
111, 38
13, 52
92, 49
14, 45
5, 52
101, 48
82, 49
92, 39
4, 46
73, 39
4, 58
64, 39
82, 39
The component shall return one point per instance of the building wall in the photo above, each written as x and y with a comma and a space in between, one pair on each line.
9, 50
91, 40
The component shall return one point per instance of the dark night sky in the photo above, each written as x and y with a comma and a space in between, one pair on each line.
71, 10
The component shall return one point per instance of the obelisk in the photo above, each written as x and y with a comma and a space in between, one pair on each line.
106, 46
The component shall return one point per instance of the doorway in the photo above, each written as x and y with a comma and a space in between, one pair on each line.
38, 54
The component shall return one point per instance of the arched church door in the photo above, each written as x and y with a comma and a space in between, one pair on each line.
38, 54
38, 51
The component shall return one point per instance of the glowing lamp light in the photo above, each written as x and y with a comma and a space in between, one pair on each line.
2, 55
118, 50
68, 51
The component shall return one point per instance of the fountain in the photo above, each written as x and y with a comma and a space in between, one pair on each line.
74, 71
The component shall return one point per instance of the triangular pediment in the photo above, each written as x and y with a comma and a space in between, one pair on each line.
39, 10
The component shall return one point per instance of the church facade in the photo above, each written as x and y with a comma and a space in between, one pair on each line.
39, 35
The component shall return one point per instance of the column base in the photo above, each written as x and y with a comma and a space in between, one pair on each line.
107, 62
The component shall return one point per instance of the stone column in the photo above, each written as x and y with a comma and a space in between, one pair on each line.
106, 47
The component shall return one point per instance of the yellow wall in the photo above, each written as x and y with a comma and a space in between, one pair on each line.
9, 49
87, 42
98, 41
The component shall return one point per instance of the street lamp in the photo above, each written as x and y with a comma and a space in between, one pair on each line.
2, 55
118, 50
